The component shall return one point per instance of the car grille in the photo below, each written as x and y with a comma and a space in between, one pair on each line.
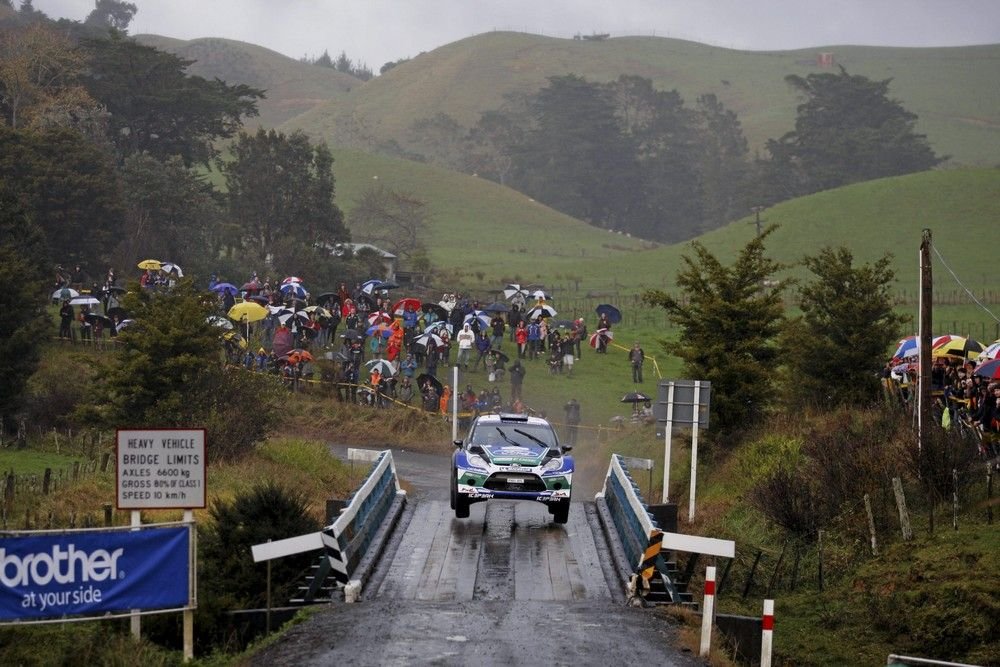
501, 482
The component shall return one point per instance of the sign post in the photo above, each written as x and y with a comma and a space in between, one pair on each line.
163, 469
683, 402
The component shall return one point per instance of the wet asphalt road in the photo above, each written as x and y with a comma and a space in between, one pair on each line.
504, 587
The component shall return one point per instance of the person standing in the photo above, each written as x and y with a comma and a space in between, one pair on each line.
497, 328
65, 320
636, 357
572, 409
466, 338
516, 380
521, 338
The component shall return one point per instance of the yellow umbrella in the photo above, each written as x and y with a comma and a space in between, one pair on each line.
235, 337
955, 347
153, 264
248, 311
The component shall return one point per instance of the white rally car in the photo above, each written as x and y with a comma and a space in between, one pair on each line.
514, 457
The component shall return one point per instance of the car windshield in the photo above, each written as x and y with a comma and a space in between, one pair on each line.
530, 435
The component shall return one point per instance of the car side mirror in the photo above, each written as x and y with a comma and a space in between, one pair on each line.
457, 443
566, 448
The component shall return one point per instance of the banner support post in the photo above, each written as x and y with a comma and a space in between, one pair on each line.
188, 613
135, 620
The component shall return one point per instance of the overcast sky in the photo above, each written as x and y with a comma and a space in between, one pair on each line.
377, 31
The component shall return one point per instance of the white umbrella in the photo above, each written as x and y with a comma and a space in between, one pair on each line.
543, 310
65, 293
221, 322
170, 267
380, 365
84, 301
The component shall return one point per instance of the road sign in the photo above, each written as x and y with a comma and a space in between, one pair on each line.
683, 400
161, 469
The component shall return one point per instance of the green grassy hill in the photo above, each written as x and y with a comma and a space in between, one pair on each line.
955, 91
490, 234
292, 87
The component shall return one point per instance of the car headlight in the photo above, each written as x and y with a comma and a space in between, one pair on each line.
552, 465
476, 461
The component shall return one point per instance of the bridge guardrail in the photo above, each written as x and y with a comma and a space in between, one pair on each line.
355, 534
627, 517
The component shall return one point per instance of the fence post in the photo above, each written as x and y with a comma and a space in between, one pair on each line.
753, 570
108, 516
989, 493
904, 516
767, 633
76, 470
871, 524
105, 459
46, 481
777, 570
707, 612
954, 499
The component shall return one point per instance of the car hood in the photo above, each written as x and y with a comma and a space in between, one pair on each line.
505, 453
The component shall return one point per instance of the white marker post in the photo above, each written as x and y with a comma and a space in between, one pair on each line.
707, 611
454, 404
135, 620
767, 634
667, 441
694, 448
188, 614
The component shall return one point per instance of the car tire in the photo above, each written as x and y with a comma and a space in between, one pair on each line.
461, 507
454, 486
560, 513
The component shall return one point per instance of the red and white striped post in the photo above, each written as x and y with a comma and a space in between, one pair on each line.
767, 634
707, 611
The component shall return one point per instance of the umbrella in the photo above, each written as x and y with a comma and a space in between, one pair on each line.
235, 337
440, 311
299, 354
248, 311
292, 279
326, 296
513, 290
379, 316
428, 340
956, 346
542, 310
990, 370
84, 300
299, 317
380, 365
908, 347
251, 286
65, 293
262, 300
279, 310
115, 288
614, 315
500, 356
424, 378
220, 321
282, 342
484, 318
379, 330
293, 289
436, 327
497, 307
124, 323
352, 334
991, 352
635, 397
226, 287
595, 338
399, 306
150, 264
170, 267
121, 313
369, 287
320, 311
540, 294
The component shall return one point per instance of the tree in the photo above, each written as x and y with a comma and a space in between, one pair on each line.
23, 264
170, 373
440, 137
392, 220
281, 187
724, 166
113, 14
847, 130
155, 107
38, 67
69, 187
170, 212
729, 318
834, 351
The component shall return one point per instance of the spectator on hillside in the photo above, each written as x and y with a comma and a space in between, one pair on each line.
466, 339
516, 379
636, 357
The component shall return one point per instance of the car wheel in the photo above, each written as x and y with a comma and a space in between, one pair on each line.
561, 512
461, 507
454, 486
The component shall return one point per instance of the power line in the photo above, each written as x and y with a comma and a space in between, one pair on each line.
967, 290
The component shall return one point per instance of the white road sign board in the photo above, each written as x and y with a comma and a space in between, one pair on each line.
161, 469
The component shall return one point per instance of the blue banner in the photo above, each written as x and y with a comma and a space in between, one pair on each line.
89, 573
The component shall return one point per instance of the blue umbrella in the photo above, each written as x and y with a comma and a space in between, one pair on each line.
226, 287
908, 347
484, 318
614, 315
379, 329
293, 289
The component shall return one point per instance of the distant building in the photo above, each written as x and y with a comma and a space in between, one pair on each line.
824, 59
389, 261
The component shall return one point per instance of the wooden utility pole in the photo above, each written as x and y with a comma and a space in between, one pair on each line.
924, 418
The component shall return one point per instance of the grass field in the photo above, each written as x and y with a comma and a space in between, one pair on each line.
954, 91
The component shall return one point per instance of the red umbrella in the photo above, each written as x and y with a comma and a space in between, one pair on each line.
379, 316
291, 279
595, 338
401, 305
990, 370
